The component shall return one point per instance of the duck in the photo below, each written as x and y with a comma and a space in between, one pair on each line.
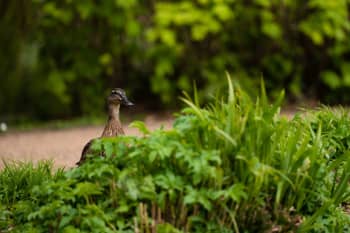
113, 127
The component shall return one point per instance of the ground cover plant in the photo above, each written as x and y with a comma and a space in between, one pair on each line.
235, 165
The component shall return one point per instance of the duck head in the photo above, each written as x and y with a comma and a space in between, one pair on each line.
118, 97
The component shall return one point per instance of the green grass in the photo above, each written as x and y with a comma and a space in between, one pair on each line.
234, 165
17, 178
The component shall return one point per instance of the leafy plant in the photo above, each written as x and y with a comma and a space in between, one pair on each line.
235, 166
65, 53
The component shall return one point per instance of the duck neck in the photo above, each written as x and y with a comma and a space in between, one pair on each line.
113, 112
113, 126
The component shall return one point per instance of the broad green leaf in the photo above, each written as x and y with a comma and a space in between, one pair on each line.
331, 79
87, 188
272, 29
140, 126
223, 11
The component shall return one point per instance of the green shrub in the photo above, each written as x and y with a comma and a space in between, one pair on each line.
66, 53
16, 182
17, 178
235, 165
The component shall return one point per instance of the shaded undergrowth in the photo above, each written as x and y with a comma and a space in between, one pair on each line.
235, 165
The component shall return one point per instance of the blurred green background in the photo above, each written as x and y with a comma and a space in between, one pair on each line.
59, 59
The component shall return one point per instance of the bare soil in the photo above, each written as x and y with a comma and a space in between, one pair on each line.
63, 146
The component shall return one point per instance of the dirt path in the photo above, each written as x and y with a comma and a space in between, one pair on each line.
62, 146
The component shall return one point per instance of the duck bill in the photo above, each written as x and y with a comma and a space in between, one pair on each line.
127, 102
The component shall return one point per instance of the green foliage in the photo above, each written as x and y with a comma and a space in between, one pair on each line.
233, 166
16, 179
60, 55
16, 183
296, 44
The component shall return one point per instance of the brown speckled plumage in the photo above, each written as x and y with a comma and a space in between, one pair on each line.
113, 126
